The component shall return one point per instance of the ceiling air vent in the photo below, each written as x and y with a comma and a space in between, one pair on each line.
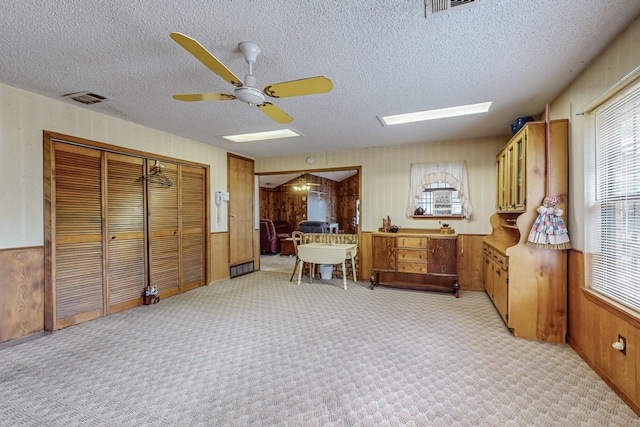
86, 98
436, 7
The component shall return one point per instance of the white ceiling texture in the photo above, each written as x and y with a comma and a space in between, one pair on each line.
384, 57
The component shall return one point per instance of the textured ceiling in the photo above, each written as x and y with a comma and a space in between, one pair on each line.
384, 57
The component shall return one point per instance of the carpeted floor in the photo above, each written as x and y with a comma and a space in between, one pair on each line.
259, 350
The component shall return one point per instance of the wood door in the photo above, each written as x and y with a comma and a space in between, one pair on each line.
383, 253
241, 222
125, 232
163, 232
501, 292
442, 256
487, 275
192, 227
76, 289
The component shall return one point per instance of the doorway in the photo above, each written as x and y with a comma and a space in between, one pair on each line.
333, 195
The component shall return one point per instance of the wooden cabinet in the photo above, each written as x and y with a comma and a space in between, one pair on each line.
528, 285
428, 259
510, 165
496, 272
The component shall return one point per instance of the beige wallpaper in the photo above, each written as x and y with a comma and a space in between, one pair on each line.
24, 116
619, 59
386, 176
385, 170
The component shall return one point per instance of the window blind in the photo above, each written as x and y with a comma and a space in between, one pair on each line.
615, 265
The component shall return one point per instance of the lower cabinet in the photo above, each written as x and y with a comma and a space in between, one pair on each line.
496, 280
425, 261
530, 296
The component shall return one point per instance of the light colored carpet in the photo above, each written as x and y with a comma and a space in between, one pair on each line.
258, 350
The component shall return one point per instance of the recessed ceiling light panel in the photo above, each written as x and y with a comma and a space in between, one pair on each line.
461, 110
259, 136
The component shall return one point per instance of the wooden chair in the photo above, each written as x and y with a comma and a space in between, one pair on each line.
298, 238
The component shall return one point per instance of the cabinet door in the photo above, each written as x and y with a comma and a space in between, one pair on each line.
510, 177
383, 253
501, 292
487, 270
442, 256
503, 182
518, 173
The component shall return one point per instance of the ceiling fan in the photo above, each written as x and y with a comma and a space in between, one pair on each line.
247, 91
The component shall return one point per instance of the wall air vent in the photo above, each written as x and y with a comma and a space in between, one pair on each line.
86, 98
437, 7
240, 269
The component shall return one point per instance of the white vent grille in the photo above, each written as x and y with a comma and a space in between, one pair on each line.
86, 98
433, 7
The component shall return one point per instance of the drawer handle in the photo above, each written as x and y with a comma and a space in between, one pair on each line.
499, 272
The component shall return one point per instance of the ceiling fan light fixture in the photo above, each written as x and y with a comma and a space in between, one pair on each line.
250, 95
461, 110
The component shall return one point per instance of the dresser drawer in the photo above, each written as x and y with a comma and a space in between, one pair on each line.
412, 255
412, 267
412, 242
501, 260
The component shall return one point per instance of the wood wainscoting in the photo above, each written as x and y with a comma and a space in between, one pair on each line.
21, 292
594, 324
219, 259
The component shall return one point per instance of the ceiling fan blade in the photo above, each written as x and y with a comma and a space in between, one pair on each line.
211, 96
275, 113
309, 86
204, 56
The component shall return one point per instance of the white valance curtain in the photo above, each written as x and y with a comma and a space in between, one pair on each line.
454, 173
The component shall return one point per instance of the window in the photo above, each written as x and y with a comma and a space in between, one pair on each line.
439, 189
613, 209
440, 198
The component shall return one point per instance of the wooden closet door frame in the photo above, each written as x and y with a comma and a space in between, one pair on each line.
49, 138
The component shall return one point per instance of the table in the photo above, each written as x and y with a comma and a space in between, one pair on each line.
333, 227
328, 253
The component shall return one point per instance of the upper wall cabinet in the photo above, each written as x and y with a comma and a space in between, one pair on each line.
512, 174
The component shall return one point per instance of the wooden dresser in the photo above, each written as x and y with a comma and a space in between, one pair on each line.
528, 285
423, 260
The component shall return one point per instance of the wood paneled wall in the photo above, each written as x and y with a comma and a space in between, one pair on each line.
593, 326
283, 203
21, 292
219, 259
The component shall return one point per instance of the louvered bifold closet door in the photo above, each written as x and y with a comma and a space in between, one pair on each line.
192, 221
126, 250
77, 250
163, 233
